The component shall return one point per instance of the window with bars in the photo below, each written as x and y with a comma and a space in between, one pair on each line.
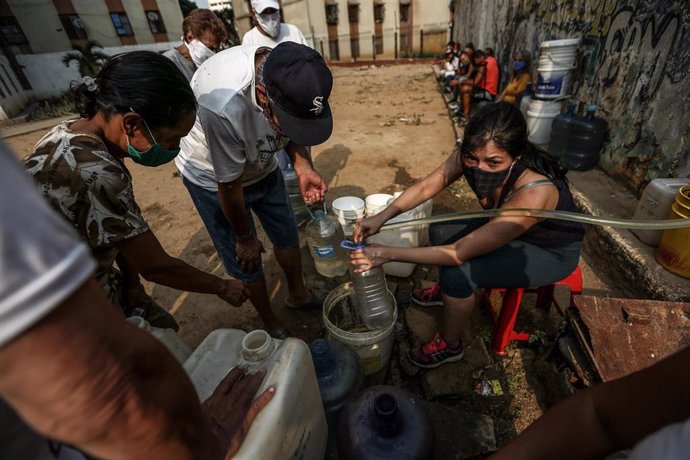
404, 12
353, 13
10, 29
122, 26
332, 15
155, 21
73, 26
378, 13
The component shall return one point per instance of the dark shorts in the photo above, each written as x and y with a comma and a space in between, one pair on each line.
515, 265
268, 199
482, 95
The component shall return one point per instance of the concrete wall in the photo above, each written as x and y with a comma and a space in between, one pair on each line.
635, 64
172, 18
49, 77
97, 22
41, 25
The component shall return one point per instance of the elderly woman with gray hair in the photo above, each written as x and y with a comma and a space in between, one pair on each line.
520, 78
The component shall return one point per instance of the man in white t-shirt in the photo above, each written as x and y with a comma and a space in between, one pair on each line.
72, 368
269, 31
253, 102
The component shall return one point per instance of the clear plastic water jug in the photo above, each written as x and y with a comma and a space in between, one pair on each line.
299, 208
373, 302
324, 235
586, 137
560, 137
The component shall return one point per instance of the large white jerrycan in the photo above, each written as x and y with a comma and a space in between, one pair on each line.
179, 349
293, 424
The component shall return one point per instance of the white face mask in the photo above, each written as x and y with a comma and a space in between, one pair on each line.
198, 52
270, 23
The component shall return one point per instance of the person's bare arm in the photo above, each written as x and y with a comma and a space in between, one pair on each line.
616, 415
146, 256
480, 75
311, 183
487, 238
85, 376
447, 173
248, 246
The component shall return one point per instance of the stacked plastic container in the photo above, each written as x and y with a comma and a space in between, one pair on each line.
557, 59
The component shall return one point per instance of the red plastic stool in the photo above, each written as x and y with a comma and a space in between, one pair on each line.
512, 298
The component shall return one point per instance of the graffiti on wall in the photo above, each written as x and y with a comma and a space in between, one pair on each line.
646, 42
630, 49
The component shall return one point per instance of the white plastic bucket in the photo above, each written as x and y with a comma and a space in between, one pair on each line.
343, 324
377, 202
540, 115
406, 237
348, 210
557, 59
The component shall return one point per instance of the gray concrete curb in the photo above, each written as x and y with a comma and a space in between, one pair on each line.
630, 262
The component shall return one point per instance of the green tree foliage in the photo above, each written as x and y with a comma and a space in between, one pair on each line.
89, 58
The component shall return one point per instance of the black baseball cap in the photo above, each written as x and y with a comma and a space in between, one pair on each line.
299, 83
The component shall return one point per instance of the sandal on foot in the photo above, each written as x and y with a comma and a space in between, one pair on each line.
314, 301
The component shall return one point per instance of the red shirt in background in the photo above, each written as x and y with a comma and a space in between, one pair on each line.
490, 80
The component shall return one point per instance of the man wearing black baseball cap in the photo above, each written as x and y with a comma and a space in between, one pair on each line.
253, 102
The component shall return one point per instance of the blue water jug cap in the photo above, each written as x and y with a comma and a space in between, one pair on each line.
321, 355
592, 108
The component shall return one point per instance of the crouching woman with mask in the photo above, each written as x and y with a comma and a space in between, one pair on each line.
505, 171
138, 108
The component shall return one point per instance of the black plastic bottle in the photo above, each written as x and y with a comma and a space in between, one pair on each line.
585, 138
385, 423
560, 134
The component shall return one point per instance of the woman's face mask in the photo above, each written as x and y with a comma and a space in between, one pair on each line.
484, 183
198, 52
155, 155
269, 23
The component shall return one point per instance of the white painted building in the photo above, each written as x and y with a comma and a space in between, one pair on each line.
35, 35
343, 30
219, 5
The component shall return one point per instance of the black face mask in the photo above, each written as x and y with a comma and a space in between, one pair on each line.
483, 183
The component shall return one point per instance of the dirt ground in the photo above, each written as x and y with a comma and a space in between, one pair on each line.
391, 128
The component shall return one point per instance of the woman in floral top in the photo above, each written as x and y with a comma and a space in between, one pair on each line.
139, 106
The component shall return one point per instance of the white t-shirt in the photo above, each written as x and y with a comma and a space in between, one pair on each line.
288, 33
231, 137
671, 442
42, 261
